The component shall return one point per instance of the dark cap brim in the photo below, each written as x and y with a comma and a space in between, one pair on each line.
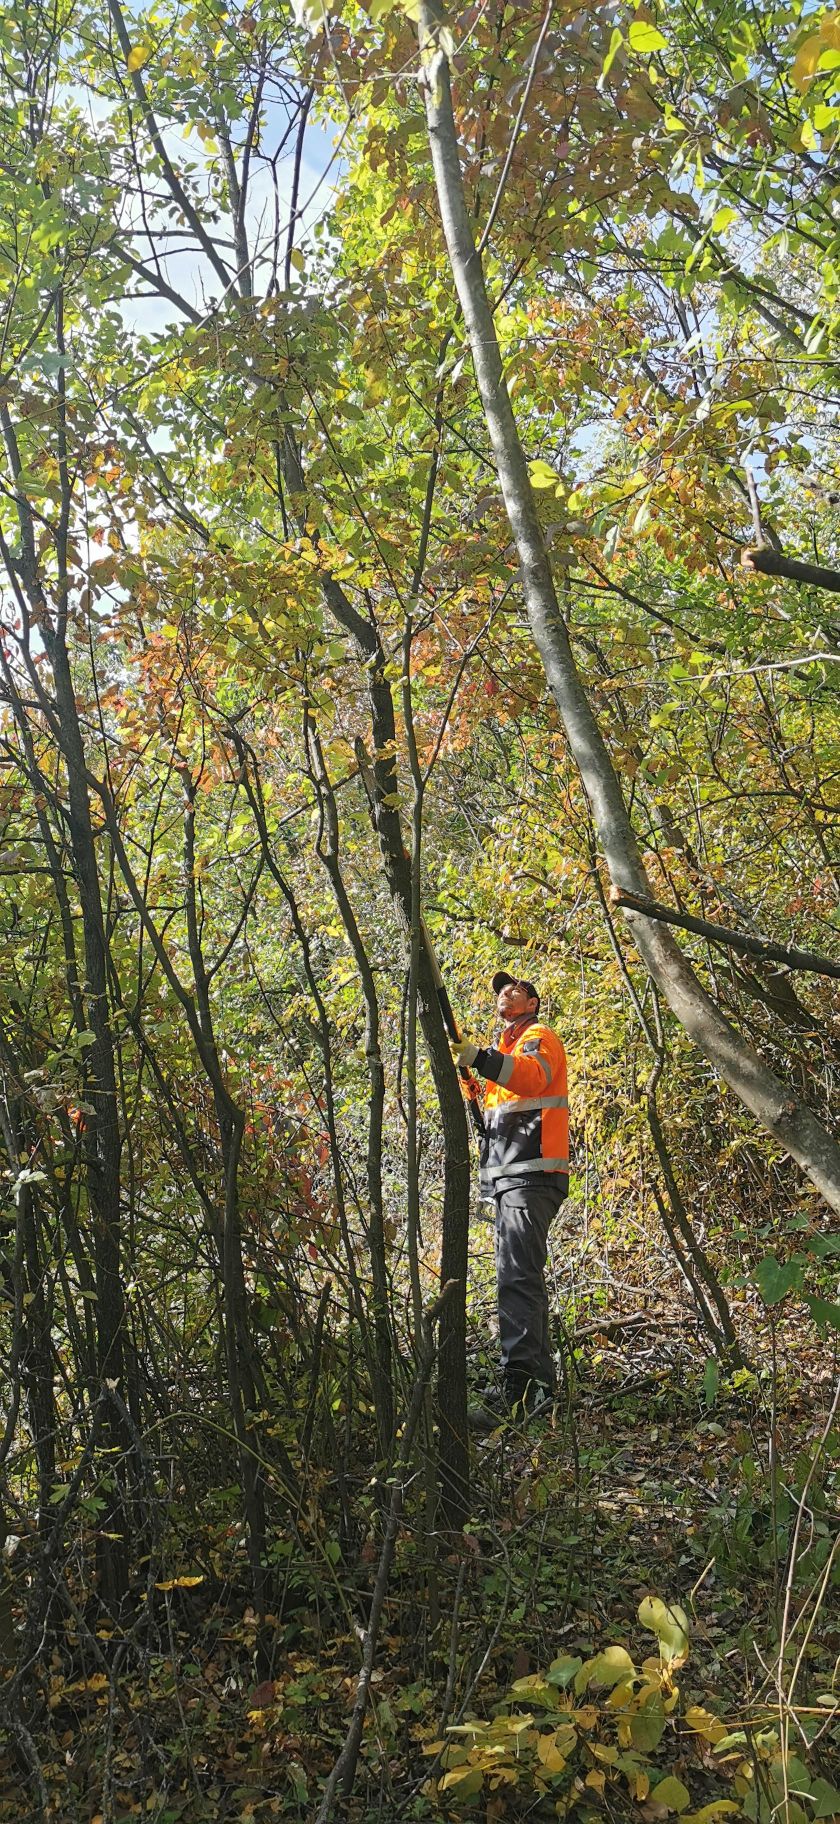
502, 979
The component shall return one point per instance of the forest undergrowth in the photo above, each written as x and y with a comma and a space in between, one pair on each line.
633, 1623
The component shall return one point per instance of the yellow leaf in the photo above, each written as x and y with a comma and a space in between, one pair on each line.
179, 1583
586, 1716
610, 1667
137, 57
468, 1779
807, 58
826, 38
671, 1793
542, 475
641, 1786
549, 1754
708, 1814
645, 38
596, 1779
670, 1625
704, 1723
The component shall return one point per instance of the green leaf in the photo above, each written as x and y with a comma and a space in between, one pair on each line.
825, 1799
823, 1311
824, 1246
774, 1280
562, 1671
711, 1382
310, 12
647, 1727
28, 483
51, 363
615, 44
645, 38
642, 515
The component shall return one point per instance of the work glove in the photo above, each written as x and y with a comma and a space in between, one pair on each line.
464, 1053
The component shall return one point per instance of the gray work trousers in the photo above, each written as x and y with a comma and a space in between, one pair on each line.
523, 1219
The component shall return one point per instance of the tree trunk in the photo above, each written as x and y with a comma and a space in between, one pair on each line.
790, 1121
327, 849
239, 1348
452, 1378
102, 1140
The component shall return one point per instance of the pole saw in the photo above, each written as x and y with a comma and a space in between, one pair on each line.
469, 1083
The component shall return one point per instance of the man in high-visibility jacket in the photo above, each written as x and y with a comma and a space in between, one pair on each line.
525, 1170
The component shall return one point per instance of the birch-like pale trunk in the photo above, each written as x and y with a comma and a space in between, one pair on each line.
791, 1123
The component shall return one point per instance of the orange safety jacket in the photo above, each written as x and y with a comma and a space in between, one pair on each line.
526, 1108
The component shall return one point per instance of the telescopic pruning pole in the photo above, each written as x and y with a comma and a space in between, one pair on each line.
470, 1084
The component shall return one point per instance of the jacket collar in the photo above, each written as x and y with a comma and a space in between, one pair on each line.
515, 1030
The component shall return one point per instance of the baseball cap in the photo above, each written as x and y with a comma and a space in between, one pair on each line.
502, 979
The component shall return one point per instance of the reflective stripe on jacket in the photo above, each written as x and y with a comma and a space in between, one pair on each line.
526, 1109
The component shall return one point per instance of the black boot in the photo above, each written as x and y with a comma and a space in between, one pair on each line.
527, 1398
519, 1399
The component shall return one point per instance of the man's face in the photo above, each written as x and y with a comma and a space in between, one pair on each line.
513, 1001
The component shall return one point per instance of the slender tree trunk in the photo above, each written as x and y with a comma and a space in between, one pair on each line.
37, 1360
102, 1141
102, 1144
693, 1260
451, 1385
30, 1284
244, 1393
452, 1378
327, 847
789, 1120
